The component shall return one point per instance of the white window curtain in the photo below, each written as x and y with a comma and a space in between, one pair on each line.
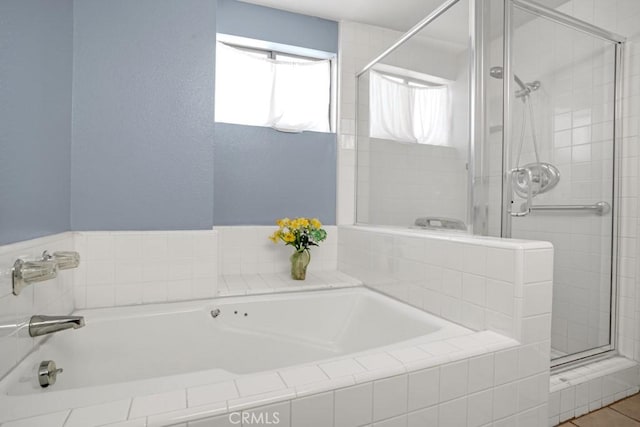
286, 95
407, 113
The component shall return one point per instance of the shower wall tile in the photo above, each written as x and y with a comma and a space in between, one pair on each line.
49, 297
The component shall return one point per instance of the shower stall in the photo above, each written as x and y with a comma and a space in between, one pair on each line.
502, 118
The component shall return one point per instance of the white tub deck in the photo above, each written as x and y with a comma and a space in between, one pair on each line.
269, 346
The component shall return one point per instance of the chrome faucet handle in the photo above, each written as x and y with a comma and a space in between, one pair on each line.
25, 272
64, 259
48, 373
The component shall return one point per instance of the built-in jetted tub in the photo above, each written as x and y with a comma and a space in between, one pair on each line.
132, 351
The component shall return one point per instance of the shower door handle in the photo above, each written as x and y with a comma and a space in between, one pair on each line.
529, 201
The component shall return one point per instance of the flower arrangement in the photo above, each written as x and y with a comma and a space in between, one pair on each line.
301, 233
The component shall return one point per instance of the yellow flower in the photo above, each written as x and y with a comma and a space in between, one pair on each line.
275, 236
284, 222
304, 222
289, 237
316, 223
295, 224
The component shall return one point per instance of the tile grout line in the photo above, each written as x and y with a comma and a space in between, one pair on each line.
621, 413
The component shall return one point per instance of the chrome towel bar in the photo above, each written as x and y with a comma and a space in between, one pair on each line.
600, 208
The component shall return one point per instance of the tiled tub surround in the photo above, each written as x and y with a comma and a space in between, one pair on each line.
247, 250
51, 297
138, 267
287, 329
477, 378
482, 283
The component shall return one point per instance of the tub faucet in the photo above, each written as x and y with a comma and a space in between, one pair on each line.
43, 325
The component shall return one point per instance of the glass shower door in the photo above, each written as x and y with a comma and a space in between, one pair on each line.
558, 158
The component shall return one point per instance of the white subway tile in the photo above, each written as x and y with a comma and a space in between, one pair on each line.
424, 388
55, 419
206, 394
313, 411
157, 403
506, 366
257, 384
538, 266
341, 368
453, 413
453, 380
99, 414
423, 417
505, 401
501, 264
302, 375
481, 373
278, 414
389, 397
480, 408
353, 405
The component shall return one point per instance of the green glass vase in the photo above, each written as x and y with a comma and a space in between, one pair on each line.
299, 262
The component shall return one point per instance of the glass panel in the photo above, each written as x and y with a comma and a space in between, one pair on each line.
562, 152
413, 128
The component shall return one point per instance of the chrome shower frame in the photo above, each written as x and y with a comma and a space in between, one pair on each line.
569, 361
478, 131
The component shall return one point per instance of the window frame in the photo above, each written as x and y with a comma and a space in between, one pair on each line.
273, 49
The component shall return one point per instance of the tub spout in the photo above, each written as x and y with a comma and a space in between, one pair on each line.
43, 325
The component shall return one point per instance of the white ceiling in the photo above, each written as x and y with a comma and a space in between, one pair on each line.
394, 14
398, 15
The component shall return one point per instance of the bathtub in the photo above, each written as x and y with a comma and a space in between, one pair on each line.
132, 351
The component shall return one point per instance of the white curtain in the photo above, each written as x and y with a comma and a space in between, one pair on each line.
407, 113
288, 96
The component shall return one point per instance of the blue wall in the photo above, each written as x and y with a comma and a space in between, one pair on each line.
36, 55
277, 26
143, 104
107, 120
262, 174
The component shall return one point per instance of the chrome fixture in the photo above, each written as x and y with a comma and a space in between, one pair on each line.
600, 208
525, 88
64, 259
541, 176
215, 313
438, 223
544, 177
42, 325
527, 184
25, 272
48, 373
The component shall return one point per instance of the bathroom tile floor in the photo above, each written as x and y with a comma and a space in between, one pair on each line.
625, 413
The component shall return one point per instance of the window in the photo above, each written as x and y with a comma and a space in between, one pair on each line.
269, 88
408, 110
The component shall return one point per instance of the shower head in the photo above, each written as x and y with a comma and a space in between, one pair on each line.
497, 72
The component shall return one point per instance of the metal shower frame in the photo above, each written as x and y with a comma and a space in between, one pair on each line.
617, 41
477, 128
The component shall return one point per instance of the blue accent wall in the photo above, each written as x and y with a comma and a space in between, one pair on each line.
262, 174
36, 56
277, 26
143, 104
107, 120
